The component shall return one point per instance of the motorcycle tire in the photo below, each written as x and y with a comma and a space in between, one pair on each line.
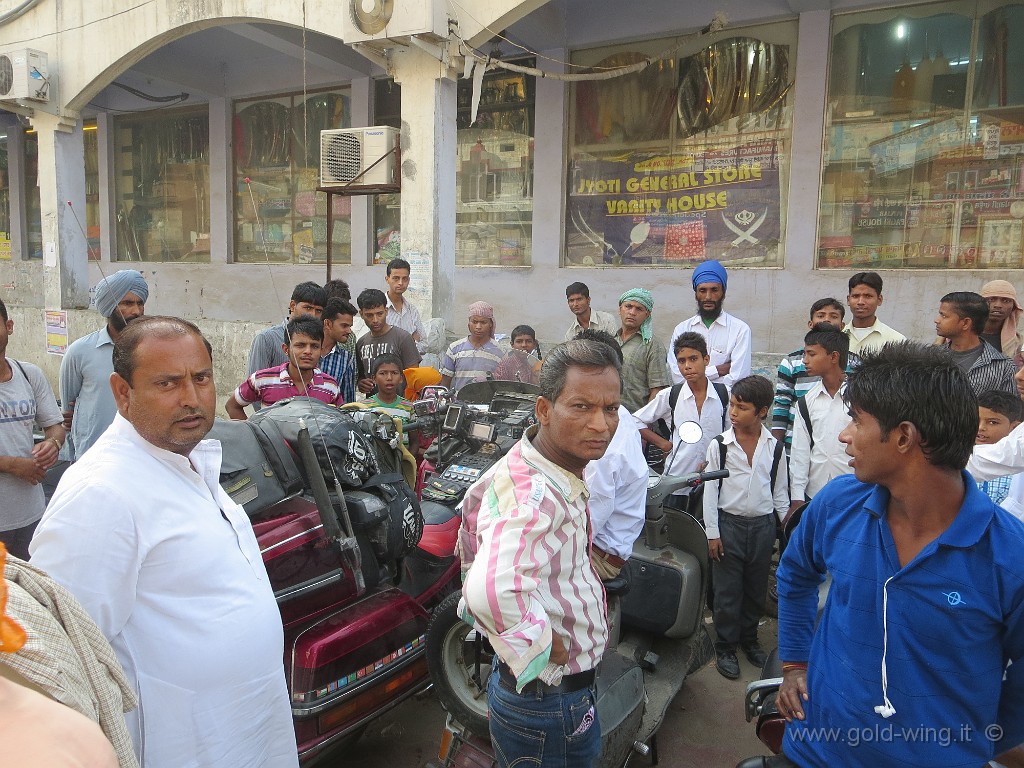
451, 660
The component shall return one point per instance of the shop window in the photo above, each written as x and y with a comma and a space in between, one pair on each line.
279, 215
92, 189
162, 186
686, 160
494, 171
925, 140
33, 208
5, 197
387, 208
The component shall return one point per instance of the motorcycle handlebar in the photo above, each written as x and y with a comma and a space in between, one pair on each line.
666, 485
718, 474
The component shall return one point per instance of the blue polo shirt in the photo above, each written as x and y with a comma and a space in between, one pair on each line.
85, 379
955, 617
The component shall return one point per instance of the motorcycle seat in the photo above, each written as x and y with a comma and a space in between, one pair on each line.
618, 586
772, 665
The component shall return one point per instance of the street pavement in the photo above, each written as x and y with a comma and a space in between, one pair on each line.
704, 726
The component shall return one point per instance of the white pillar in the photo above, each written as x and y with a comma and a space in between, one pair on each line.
364, 239
428, 178
222, 184
62, 180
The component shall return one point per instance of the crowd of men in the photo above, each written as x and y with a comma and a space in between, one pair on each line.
165, 562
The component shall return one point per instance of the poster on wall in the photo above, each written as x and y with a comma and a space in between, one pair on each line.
680, 209
56, 332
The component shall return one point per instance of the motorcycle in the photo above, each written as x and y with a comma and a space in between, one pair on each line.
657, 637
356, 561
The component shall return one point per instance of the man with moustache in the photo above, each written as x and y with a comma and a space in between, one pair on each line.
528, 581
728, 337
85, 370
140, 531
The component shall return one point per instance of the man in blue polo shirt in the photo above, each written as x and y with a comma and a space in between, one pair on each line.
909, 662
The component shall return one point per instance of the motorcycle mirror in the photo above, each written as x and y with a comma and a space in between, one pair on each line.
690, 432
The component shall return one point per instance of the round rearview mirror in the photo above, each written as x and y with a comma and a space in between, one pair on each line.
690, 432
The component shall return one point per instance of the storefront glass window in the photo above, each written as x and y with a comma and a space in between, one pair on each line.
92, 189
5, 197
162, 186
387, 208
686, 160
279, 215
494, 171
33, 209
925, 139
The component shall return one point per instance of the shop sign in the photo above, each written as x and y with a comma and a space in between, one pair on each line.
655, 209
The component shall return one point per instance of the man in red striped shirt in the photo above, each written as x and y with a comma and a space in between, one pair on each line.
299, 377
528, 583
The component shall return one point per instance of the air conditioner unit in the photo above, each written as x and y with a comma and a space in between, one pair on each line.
366, 20
24, 75
348, 152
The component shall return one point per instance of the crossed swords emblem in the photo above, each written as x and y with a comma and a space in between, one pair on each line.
744, 218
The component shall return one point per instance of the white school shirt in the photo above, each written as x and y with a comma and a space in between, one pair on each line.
728, 341
685, 458
1006, 457
169, 569
747, 489
810, 468
618, 490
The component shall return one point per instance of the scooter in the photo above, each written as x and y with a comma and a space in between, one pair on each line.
657, 638
356, 562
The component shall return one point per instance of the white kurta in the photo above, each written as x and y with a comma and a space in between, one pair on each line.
169, 568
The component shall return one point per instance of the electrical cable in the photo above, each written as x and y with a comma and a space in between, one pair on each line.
148, 96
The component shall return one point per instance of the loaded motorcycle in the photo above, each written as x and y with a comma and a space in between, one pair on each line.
657, 637
356, 562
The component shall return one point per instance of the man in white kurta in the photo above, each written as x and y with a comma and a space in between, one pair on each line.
169, 568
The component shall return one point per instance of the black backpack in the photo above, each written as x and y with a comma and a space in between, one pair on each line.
805, 414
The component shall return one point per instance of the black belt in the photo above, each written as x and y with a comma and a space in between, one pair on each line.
570, 683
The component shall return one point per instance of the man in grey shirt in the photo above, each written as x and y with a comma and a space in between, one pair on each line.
267, 348
25, 400
85, 370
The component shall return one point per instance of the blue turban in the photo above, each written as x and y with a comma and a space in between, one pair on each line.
641, 296
111, 290
710, 272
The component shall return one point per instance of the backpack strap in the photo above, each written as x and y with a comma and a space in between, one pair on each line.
776, 460
723, 395
20, 367
721, 458
673, 398
805, 414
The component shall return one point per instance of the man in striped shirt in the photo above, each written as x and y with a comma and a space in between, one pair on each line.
527, 579
299, 377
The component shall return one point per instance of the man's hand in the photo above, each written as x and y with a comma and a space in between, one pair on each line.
724, 368
792, 694
559, 653
664, 444
365, 386
45, 454
794, 505
69, 415
25, 468
715, 549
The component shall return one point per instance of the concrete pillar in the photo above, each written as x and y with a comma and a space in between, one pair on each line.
62, 179
808, 128
105, 153
428, 178
364, 240
222, 183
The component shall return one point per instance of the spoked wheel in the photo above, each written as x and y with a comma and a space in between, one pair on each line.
459, 660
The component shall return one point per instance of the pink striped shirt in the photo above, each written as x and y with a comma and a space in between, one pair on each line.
524, 545
273, 384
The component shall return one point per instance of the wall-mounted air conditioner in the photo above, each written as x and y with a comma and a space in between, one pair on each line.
367, 20
348, 152
24, 74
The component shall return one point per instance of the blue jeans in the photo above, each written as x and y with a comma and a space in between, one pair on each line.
533, 730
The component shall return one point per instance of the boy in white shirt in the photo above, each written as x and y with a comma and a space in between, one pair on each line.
740, 521
692, 400
817, 454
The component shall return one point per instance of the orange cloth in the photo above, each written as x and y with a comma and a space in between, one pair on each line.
12, 636
418, 378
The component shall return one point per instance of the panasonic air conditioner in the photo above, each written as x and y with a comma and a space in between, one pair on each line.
347, 154
367, 20
24, 75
